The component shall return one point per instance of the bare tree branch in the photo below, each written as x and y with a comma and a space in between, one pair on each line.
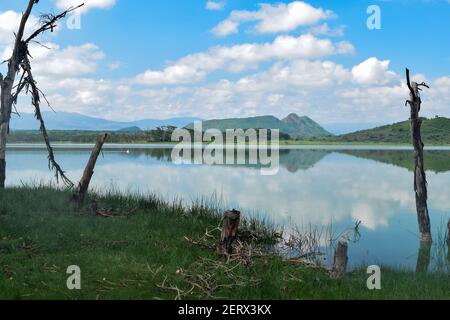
20, 62
35, 100
423, 84
408, 82
42, 45
49, 22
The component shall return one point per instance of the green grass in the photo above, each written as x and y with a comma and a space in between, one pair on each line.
144, 252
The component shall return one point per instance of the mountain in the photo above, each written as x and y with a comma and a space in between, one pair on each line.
293, 125
434, 131
130, 129
75, 121
304, 127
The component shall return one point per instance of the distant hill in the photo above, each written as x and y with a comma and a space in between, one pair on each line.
434, 131
75, 121
130, 129
304, 127
295, 126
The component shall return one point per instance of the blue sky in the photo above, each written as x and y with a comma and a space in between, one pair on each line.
128, 60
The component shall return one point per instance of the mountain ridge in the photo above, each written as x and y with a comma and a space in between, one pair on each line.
295, 126
76, 121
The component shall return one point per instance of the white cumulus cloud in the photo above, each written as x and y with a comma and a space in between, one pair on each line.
10, 21
373, 71
215, 5
244, 56
274, 18
65, 62
88, 4
226, 28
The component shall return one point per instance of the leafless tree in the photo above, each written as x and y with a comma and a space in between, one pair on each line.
420, 179
19, 65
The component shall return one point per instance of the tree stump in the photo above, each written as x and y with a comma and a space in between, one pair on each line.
231, 221
340, 260
89, 171
94, 207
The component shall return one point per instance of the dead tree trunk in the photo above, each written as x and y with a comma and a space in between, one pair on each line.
420, 180
424, 257
448, 255
340, 260
231, 221
5, 115
448, 234
20, 63
448, 242
89, 171
7, 84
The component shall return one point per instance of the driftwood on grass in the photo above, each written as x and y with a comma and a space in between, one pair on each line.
420, 180
83, 186
103, 212
340, 260
231, 221
19, 64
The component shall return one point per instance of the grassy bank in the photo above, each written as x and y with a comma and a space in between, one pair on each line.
154, 250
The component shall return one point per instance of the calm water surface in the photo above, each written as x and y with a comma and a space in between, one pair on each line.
318, 186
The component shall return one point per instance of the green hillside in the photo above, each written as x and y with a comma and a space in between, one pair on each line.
434, 132
435, 160
293, 125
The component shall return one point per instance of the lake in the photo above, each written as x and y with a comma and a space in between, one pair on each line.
325, 188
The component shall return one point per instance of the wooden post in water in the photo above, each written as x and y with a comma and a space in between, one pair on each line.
448, 235
420, 180
448, 242
230, 229
89, 171
340, 260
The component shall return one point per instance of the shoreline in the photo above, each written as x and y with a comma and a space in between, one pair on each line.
150, 247
299, 146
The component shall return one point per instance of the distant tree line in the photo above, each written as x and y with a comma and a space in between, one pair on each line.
157, 135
